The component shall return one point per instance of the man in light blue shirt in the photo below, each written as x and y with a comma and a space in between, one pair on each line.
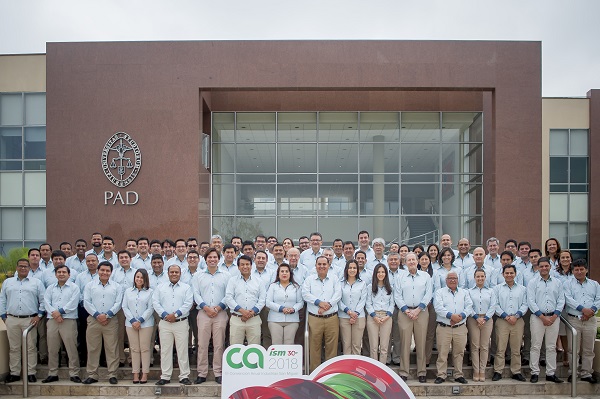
582, 296
309, 257
546, 300
102, 299
173, 302
123, 275
492, 259
245, 296
21, 305
143, 259
322, 292
209, 288
61, 300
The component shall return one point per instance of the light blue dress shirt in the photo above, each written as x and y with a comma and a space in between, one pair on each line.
137, 306
354, 298
511, 301
545, 296
279, 297
173, 298
139, 263
64, 299
102, 299
581, 295
382, 301
245, 294
446, 303
83, 279
484, 302
411, 290
22, 297
315, 291
210, 289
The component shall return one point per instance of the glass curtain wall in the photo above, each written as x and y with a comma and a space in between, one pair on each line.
403, 176
22, 170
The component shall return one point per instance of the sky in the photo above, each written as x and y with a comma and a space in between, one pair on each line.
569, 30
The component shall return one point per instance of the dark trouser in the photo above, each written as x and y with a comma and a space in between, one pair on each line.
82, 316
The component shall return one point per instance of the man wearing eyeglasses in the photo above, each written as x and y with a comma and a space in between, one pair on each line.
309, 257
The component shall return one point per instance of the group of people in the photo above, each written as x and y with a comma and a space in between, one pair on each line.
187, 294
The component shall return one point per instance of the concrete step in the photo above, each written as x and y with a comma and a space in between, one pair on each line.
504, 387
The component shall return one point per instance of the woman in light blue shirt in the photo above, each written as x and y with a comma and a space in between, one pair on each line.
284, 300
380, 307
480, 324
139, 322
351, 313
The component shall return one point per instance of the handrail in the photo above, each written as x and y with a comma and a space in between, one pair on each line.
306, 344
574, 352
25, 360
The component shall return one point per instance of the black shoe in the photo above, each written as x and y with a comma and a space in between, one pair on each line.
113, 380
12, 378
554, 378
162, 382
31, 378
591, 379
496, 377
543, 363
439, 380
43, 360
219, 380
519, 377
525, 362
404, 377
200, 380
50, 378
75, 379
89, 380
422, 379
185, 381
121, 364
570, 379
534, 378
461, 380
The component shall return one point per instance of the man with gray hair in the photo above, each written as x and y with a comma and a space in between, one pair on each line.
378, 245
492, 259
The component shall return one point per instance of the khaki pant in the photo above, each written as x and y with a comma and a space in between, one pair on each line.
139, 348
14, 329
282, 333
42, 338
211, 327
508, 335
264, 328
322, 331
174, 334
457, 338
66, 333
238, 330
394, 349
538, 332
379, 338
96, 333
431, 326
352, 335
480, 343
408, 329
586, 333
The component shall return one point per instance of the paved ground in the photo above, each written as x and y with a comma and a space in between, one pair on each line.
425, 397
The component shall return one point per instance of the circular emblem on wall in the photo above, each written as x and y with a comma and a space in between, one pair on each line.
121, 159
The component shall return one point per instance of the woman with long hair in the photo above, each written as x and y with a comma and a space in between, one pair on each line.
287, 244
284, 300
351, 311
480, 324
433, 250
552, 250
139, 323
380, 307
